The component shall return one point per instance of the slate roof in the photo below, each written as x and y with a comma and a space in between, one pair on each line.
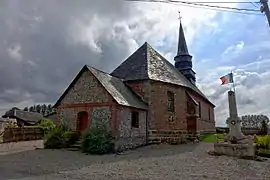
31, 117
182, 44
121, 93
147, 63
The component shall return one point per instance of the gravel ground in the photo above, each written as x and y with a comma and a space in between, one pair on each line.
152, 162
15, 147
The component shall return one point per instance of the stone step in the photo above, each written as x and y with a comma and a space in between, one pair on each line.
77, 145
73, 149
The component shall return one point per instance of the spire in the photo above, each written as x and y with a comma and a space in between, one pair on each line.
182, 45
183, 60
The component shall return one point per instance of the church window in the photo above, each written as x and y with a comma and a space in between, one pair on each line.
135, 119
170, 105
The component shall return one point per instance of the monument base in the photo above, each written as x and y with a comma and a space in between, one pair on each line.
236, 150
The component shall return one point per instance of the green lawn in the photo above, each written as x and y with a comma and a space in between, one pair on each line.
211, 137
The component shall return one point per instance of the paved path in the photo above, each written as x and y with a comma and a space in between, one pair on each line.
153, 162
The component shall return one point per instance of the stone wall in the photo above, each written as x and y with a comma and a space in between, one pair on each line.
205, 123
68, 116
159, 117
87, 94
155, 93
87, 89
167, 136
205, 127
130, 137
101, 115
142, 88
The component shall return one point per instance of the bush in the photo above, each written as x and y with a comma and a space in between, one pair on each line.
47, 125
64, 126
98, 140
262, 142
55, 139
263, 153
11, 124
71, 138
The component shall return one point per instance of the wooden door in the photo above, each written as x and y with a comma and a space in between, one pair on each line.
82, 121
192, 124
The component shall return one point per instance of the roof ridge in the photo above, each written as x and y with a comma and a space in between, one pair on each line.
104, 72
97, 69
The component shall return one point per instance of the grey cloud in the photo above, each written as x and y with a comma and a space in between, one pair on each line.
48, 62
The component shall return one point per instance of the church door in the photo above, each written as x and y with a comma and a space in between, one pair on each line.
82, 121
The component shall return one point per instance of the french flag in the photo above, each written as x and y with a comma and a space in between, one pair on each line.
227, 79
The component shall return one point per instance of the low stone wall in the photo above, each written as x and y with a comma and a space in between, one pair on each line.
250, 131
126, 143
167, 136
236, 150
22, 134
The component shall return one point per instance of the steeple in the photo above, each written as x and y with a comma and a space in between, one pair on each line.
183, 60
182, 45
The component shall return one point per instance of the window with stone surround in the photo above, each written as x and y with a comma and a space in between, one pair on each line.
170, 103
135, 119
200, 110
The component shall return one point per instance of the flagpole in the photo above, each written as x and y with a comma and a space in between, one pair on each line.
233, 83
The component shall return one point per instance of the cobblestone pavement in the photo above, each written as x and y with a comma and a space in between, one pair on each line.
152, 162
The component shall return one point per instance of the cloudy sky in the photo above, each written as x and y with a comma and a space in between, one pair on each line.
44, 45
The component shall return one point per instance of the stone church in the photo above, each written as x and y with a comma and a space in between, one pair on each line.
144, 99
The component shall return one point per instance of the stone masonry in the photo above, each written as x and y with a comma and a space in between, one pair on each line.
131, 137
86, 90
87, 94
161, 122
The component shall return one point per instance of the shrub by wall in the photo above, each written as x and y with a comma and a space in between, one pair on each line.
263, 146
58, 138
47, 125
55, 139
98, 140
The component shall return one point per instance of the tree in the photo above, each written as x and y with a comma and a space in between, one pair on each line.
25, 109
49, 109
254, 121
38, 108
43, 109
264, 127
31, 109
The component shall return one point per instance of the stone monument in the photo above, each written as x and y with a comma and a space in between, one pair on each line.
236, 143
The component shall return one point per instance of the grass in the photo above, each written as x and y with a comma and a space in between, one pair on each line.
211, 137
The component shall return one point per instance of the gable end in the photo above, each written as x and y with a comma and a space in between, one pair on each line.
85, 88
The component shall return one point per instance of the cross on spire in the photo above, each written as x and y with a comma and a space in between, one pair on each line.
179, 15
